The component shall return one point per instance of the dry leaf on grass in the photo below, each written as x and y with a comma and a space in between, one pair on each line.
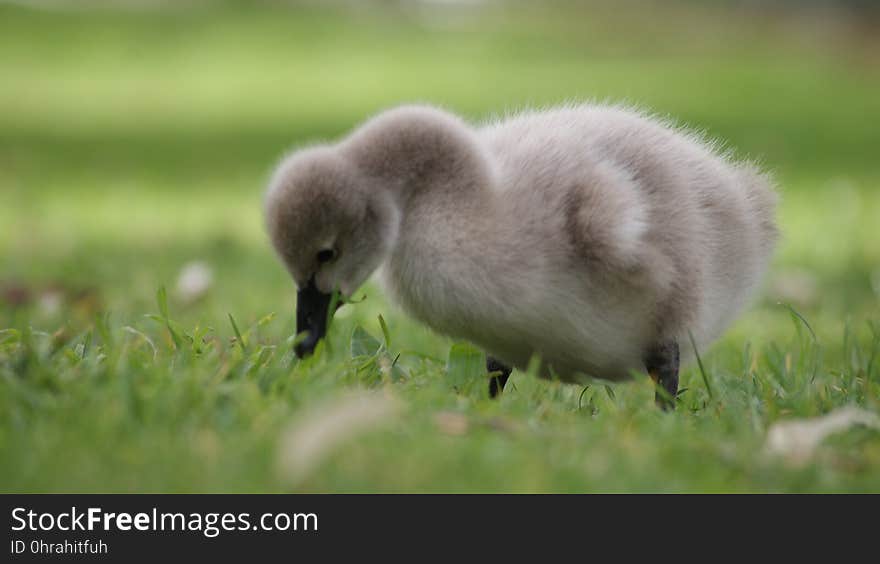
797, 440
456, 424
451, 423
314, 436
194, 281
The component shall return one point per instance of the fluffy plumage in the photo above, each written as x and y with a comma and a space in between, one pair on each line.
584, 234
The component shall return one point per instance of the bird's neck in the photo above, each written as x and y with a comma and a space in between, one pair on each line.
440, 179
430, 162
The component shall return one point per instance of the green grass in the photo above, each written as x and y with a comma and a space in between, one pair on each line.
134, 142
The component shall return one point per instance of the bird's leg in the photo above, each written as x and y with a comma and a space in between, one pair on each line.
496, 381
661, 361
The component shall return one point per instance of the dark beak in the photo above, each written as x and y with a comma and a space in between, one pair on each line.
312, 312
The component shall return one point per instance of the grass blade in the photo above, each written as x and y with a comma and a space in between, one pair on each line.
700, 364
385, 332
239, 339
162, 299
803, 320
363, 344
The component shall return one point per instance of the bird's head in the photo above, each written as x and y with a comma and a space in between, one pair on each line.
332, 227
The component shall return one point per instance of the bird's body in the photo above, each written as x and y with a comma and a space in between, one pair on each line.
598, 233
586, 235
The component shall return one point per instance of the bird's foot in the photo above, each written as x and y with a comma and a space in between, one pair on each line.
498, 375
662, 361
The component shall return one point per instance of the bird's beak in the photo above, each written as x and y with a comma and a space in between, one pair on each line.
312, 314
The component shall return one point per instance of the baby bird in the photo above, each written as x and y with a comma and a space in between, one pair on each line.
594, 237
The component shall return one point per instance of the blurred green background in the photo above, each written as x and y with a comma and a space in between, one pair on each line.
137, 137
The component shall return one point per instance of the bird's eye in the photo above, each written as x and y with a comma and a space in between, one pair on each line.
326, 255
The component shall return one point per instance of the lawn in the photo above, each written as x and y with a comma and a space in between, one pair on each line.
135, 142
